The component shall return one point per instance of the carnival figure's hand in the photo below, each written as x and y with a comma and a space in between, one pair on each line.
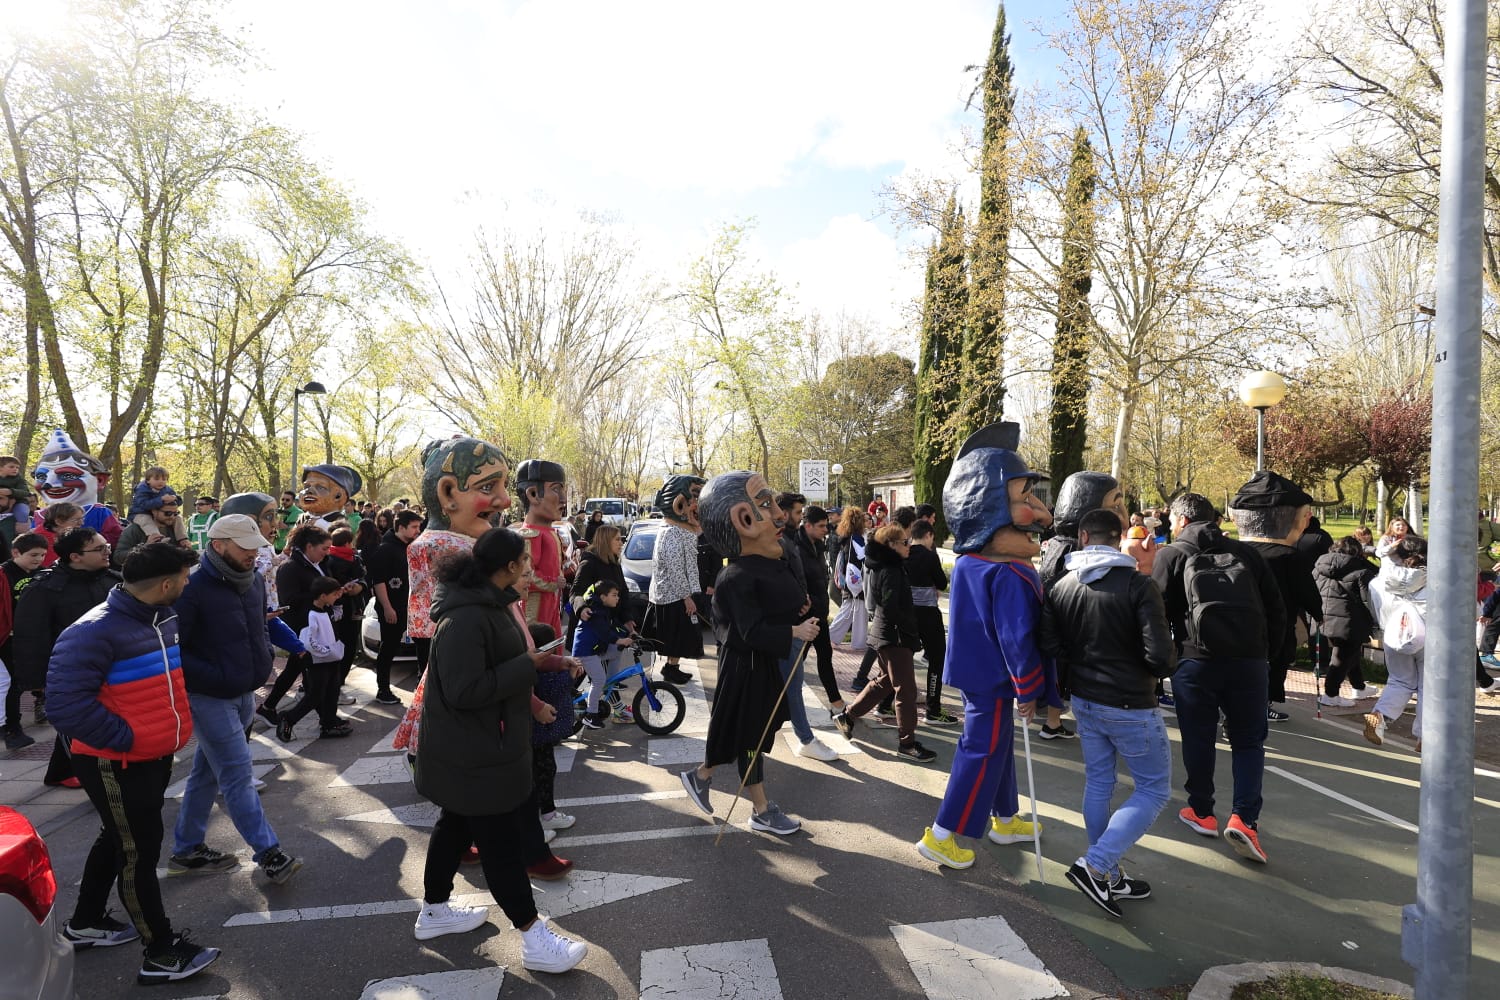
1026, 709
689, 606
545, 714
807, 631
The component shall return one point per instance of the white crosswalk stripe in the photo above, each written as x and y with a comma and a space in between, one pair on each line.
459, 984
979, 957
726, 970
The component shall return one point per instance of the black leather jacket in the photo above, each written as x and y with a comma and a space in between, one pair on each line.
888, 593
1110, 637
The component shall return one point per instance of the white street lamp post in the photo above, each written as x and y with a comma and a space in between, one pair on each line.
311, 389
838, 487
1260, 391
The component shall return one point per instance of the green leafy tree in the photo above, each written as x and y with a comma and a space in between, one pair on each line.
940, 364
984, 336
1070, 372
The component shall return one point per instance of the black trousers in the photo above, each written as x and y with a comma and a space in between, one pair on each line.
1343, 663
128, 799
347, 630
935, 649
13, 704
1486, 643
544, 775
823, 647
390, 641
500, 838
295, 665
424, 646
60, 764
320, 693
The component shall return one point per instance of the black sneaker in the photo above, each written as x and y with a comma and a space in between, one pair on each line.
336, 731
280, 866
915, 751
107, 933
15, 739
179, 960
1274, 716
39, 714
284, 731
201, 860
675, 675
387, 698
697, 789
845, 722
591, 721
941, 718
272, 717
1062, 732
1096, 889
1125, 887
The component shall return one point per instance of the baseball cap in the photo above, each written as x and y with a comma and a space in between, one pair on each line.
241, 529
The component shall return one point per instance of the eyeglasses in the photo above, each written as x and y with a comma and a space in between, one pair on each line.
95, 548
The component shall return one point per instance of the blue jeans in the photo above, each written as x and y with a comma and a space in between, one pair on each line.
1238, 688
794, 703
1140, 737
222, 763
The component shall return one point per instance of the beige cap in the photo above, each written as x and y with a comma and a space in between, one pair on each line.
241, 529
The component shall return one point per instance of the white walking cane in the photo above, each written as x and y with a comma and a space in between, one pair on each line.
1036, 824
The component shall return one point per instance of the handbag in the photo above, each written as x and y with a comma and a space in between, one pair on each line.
555, 687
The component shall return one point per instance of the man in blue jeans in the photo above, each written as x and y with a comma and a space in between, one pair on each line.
1222, 649
226, 655
1105, 624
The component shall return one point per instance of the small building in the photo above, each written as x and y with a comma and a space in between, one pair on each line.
896, 489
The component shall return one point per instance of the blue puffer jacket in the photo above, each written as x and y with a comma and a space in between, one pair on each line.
226, 651
114, 683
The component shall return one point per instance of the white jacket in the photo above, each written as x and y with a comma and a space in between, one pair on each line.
319, 638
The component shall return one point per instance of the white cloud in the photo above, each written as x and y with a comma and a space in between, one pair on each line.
853, 266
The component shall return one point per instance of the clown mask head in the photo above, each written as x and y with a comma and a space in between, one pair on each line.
326, 488
678, 501
65, 474
740, 516
464, 483
542, 486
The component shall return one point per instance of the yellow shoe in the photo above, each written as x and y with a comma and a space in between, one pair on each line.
944, 852
1014, 831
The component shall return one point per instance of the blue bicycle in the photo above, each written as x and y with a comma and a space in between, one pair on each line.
659, 707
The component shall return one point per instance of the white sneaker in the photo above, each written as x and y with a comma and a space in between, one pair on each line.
558, 821
1338, 701
544, 950
346, 699
1368, 691
816, 749
548, 834
437, 919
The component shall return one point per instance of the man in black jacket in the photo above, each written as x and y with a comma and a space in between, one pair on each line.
55, 599
1210, 680
809, 745
391, 579
925, 573
809, 539
1106, 625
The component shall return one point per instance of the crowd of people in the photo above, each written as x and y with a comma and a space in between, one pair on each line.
1080, 607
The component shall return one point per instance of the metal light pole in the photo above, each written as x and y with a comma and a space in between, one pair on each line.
1436, 932
1260, 391
838, 486
311, 389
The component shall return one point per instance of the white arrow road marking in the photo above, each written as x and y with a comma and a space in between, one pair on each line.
178, 787
583, 890
425, 814
384, 746
668, 752
980, 957
462, 984
386, 770
726, 970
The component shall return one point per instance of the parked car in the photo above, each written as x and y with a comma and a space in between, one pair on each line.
616, 510
369, 635
37, 959
635, 560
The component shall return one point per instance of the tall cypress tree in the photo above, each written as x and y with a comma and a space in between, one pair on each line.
1070, 373
984, 347
940, 364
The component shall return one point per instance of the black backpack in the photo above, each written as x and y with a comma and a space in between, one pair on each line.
1224, 609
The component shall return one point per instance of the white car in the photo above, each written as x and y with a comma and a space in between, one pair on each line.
616, 510
37, 959
369, 635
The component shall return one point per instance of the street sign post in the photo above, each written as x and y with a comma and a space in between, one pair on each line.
814, 476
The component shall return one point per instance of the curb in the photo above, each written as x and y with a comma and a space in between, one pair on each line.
1219, 982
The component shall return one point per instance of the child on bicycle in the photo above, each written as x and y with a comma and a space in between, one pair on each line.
597, 643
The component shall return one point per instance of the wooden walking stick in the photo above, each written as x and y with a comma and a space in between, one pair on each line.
761, 742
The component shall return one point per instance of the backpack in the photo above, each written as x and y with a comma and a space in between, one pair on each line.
1403, 627
1223, 602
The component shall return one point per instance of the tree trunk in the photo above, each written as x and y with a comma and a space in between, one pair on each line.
1121, 451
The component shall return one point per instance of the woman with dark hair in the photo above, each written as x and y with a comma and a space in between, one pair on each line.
307, 553
367, 539
895, 638
475, 761
1343, 576
384, 520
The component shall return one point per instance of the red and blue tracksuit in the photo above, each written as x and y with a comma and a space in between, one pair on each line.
993, 658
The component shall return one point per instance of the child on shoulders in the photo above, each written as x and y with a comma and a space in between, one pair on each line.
14, 485
149, 494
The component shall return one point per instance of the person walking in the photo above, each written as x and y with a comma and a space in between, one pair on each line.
226, 657
928, 579
895, 636
1224, 608
390, 578
812, 547
1400, 589
115, 691
26, 555
852, 618
1343, 576
475, 759
808, 745
307, 550
1106, 625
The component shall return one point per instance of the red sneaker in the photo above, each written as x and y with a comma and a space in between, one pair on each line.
471, 856
1244, 840
1204, 826
550, 870
65, 783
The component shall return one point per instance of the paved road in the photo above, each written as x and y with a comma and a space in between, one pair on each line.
845, 909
